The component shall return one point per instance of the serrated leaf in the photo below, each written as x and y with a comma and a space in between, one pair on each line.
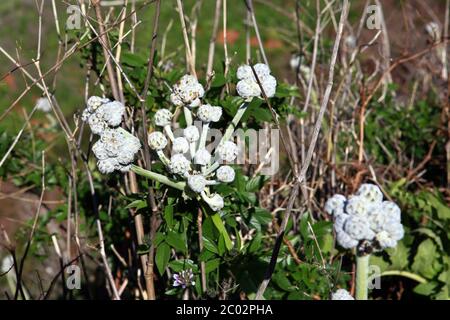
425, 261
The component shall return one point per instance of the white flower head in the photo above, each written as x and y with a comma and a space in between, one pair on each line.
108, 165
112, 112
269, 84
202, 157
97, 123
208, 113
215, 202
335, 205
101, 113
191, 133
358, 228
115, 150
244, 72
43, 104
187, 92
163, 117
391, 210
390, 232
227, 151
341, 294
216, 113
371, 193
248, 88
179, 164
157, 140
95, 102
180, 145
262, 70
225, 174
357, 205
197, 183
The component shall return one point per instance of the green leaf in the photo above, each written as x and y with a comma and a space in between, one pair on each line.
132, 60
425, 261
430, 233
138, 204
212, 265
162, 257
443, 211
209, 245
255, 184
283, 282
399, 256
255, 244
426, 289
176, 241
168, 216
263, 216
221, 228
183, 264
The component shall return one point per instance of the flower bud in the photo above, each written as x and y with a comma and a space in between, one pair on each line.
163, 117
180, 145
157, 140
341, 294
197, 183
225, 174
179, 164
227, 151
191, 133
202, 157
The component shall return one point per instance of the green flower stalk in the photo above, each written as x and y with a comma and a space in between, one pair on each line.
180, 185
362, 273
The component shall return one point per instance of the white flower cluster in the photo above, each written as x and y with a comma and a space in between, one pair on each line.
365, 219
116, 148
341, 294
101, 113
248, 86
43, 104
189, 160
187, 92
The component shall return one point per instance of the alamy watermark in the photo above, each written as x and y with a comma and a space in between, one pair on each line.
373, 14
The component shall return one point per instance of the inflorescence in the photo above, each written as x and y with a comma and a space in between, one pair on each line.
116, 149
365, 221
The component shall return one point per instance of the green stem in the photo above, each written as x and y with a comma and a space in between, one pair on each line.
202, 143
228, 133
362, 273
405, 274
232, 126
187, 116
158, 177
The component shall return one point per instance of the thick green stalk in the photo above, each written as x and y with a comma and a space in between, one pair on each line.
232, 126
158, 177
187, 116
362, 273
